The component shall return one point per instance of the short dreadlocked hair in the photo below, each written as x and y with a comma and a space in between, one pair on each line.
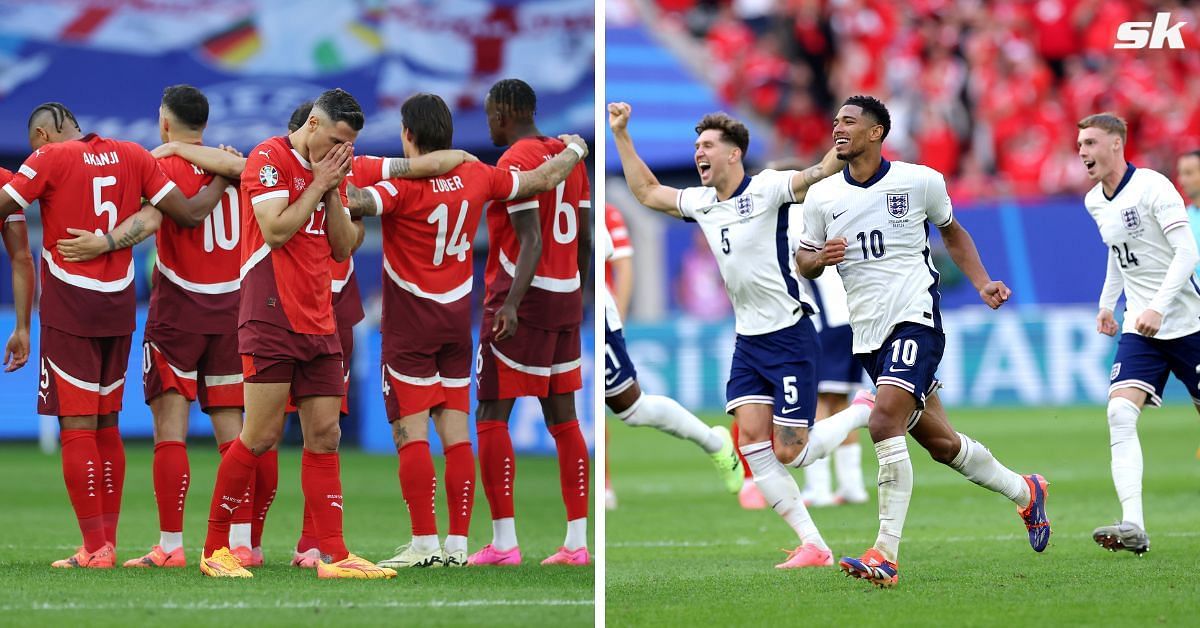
874, 109
300, 116
515, 96
58, 111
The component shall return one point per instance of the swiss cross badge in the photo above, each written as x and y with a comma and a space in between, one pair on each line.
897, 205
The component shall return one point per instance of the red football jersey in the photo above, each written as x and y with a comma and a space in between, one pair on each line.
555, 300
622, 247
347, 301
19, 215
289, 287
197, 282
90, 183
428, 225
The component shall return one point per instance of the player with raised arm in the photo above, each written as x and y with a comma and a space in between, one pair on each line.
87, 309
624, 397
772, 389
872, 221
16, 244
427, 353
287, 333
529, 345
1144, 225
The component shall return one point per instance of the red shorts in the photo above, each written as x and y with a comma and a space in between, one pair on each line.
422, 374
81, 376
533, 363
197, 366
346, 339
273, 355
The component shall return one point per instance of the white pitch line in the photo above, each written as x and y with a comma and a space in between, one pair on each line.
342, 604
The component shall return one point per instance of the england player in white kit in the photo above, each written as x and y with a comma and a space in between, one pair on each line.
773, 376
872, 222
1152, 255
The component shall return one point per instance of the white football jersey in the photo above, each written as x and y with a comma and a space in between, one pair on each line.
611, 316
1133, 225
748, 234
888, 274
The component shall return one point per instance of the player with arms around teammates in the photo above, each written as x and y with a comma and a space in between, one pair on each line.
773, 379
872, 222
287, 333
1143, 223
89, 183
427, 353
529, 343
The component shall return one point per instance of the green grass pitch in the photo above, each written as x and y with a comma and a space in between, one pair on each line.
681, 552
39, 527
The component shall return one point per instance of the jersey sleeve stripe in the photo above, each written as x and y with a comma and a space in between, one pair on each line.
516, 187
1175, 225
340, 284
266, 196
805, 244
520, 207
27, 171
16, 196
14, 218
389, 188
166, 189
385, 168
585, 203
948, 222
622, 252
378, 199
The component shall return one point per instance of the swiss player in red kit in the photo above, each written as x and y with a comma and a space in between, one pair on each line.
427, 230
85, 183
529, 340
287, 334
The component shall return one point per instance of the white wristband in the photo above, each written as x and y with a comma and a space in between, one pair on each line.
577, 148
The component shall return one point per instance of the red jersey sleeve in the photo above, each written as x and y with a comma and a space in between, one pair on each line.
393, 195
514, 161
34, 176
19, 215
155, 184
367, 170
262, 178
502, 183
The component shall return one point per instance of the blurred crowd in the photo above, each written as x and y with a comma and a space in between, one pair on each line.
988, 93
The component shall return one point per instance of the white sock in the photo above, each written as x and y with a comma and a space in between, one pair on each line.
425, 542
818, 481
576, 534
455, 543
895, 491
1126, 458
666, 415
504, 533
170, 541
978, 465
825, 435
847, 466
239, 535
780, 490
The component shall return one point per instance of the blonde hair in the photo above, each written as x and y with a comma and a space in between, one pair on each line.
1108, 122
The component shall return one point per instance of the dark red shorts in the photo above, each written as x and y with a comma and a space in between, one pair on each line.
346, 339
273, 355
421, 373
81, 376
533, 363
197, 366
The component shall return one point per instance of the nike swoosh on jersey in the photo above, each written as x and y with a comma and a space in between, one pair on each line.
836, 216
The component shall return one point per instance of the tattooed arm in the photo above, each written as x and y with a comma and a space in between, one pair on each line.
427, 165
362, 202
87, 245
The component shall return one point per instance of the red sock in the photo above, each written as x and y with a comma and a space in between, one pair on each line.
80, 460
497, 466
266, 482
572, 468
171, 479
733, 431
320, 479
418, 484
234, 474
460, 486
308, 533
112, 452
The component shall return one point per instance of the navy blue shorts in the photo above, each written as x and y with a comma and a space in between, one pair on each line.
778, 369
908, 359
1144, 363
839, 371
619, 373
